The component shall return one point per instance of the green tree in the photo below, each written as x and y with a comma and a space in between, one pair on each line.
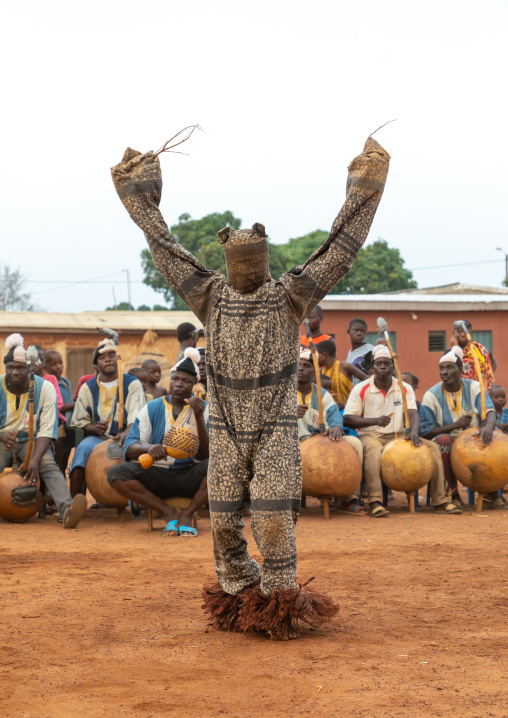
122, 307
377, 268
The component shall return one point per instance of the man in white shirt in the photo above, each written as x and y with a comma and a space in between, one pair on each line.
374, 409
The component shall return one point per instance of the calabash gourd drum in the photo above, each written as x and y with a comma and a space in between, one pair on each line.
105, 455
179, 442
9, 480
481, 468
330, 468
405, 467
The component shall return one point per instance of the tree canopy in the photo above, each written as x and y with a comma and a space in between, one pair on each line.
378, 267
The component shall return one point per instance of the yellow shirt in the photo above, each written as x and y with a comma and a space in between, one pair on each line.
341, 385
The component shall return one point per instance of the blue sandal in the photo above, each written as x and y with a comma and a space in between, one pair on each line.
187, 531
172, 528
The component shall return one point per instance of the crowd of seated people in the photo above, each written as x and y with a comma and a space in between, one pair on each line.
360, 395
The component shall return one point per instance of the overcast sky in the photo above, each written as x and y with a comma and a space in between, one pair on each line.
287, 93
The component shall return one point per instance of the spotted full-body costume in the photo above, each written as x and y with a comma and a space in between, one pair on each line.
252, 351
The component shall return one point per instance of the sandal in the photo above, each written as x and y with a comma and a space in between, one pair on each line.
188, 531
172, 528
75, 512
378, 512
353, 509
496, 505
447, 509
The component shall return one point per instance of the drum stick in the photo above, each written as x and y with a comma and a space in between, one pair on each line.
32, 358
312, 347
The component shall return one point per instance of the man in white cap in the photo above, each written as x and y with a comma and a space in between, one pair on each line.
14, 430
168, 477
450, 407
375, 410
97, 409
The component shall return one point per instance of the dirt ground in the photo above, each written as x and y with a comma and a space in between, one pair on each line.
106, 620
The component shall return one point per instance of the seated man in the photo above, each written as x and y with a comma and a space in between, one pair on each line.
153, 377
308, 419
340, 373
14, 413
374, 408
97, 409
451, 406
168, 477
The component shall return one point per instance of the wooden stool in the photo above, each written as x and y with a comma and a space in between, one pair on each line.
178, 502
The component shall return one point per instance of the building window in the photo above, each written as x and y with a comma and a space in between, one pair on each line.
437, 341
484, 337
372, 337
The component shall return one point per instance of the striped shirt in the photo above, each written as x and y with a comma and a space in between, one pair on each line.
308, 425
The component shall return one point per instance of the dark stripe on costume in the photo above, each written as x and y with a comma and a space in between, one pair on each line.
278, 564
139, 187
225, 507
254, 382
275, 504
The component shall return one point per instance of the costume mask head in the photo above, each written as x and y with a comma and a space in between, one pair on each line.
246, 253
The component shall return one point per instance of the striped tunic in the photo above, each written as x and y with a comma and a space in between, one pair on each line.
14, 410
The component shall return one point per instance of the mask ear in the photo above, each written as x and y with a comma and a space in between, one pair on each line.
224, 234
259, 228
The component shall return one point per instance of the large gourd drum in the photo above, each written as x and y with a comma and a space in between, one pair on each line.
9, 480
105, 455
481, 468
330, 468
405, 467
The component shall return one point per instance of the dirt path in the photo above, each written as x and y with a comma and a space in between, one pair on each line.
106, 620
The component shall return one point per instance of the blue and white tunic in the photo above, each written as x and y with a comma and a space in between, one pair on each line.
14, 414
156, 419
98, 401
440, 408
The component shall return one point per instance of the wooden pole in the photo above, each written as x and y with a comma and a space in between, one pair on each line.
478, 370
312, 347
31, 357
399, 379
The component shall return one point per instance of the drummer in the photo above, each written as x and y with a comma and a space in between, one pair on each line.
168, 477
450, 407
308, 419
97, 407
374, 408
14, 429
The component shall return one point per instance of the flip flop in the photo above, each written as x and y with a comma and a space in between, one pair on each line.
135, 509
496, 505
189, 531
352, 509
75, 512
447, 509
379, 512
172, 528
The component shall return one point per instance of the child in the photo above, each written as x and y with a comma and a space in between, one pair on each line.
498, 395
413, 381
153, 376
141, 374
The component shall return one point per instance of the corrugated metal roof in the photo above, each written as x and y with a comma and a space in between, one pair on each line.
90, 321
412, 302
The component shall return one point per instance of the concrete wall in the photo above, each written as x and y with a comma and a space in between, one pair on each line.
413, 337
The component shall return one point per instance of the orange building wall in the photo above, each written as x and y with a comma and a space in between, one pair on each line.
413, 338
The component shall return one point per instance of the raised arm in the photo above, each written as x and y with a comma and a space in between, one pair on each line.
308, 284
138, 182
